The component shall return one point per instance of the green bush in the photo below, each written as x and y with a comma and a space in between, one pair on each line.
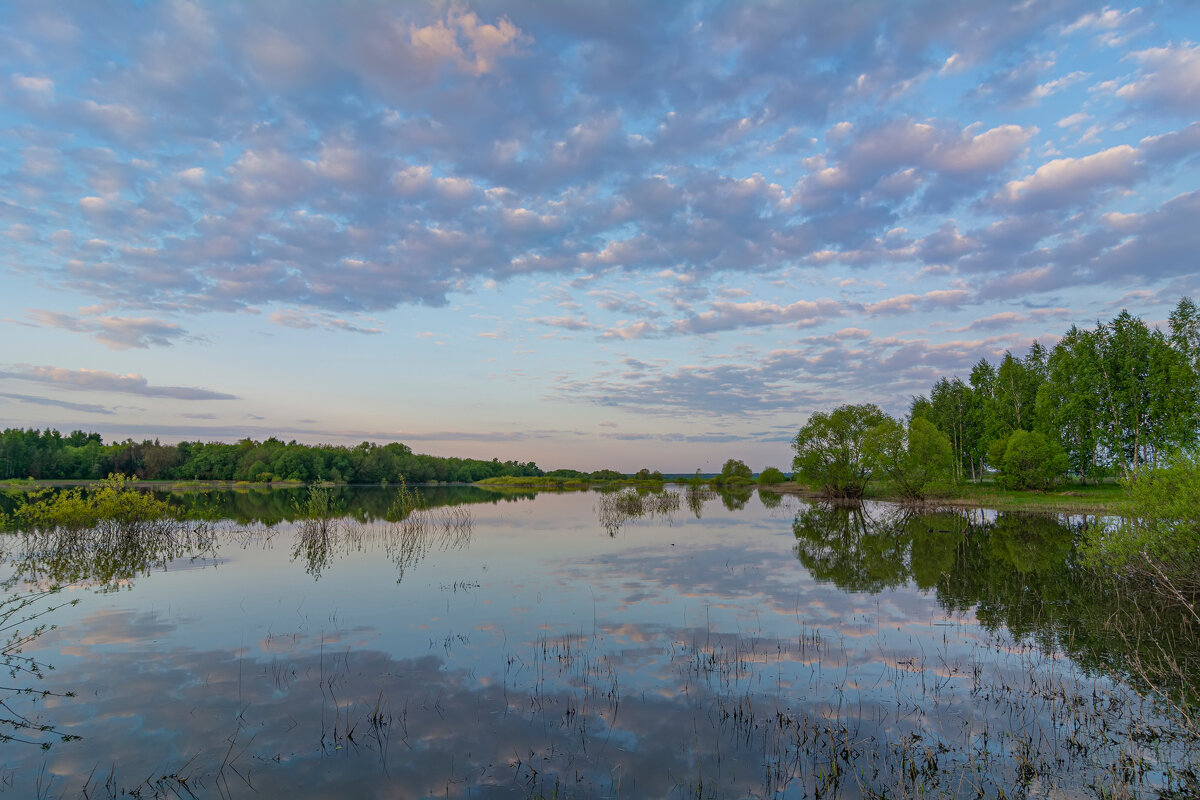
1158, 539
735, 471
112, 501
771, 476
1031, 461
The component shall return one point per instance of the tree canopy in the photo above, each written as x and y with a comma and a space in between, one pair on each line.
1114, 398
830, 454
47, 454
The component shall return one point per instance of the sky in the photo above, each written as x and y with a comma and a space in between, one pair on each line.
600, 234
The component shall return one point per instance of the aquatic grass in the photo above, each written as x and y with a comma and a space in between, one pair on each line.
615, 509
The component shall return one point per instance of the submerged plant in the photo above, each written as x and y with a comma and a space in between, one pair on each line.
112, 503
107, 535
617, 508
406, 501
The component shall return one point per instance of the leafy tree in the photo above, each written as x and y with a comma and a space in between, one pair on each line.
950, 410
1184, 323
983, 425
919, 462
735, 471
829, 450
1067, 404
1031, 461
771, 476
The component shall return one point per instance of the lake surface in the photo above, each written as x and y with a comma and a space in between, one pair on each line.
564, 645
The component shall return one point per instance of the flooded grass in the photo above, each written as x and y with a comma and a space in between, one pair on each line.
528, 650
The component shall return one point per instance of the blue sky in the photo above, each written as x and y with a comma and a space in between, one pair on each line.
603, 234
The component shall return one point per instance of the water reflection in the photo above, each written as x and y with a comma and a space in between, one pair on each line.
106, 557
274, 506
1013, 572
615, 509
697, 495
515, 653
319, 542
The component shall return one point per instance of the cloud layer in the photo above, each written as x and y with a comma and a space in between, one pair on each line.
715, 190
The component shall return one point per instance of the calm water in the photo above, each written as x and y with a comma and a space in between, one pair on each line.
542, 645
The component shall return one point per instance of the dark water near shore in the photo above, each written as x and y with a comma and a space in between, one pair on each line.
513, 645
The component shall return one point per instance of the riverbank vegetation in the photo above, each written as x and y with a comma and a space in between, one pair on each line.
48, 455
1117, 401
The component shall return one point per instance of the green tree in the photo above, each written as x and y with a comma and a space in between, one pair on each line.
950, 410
771, 476
918, 461
1067, 402
829, 450
1184, 323
983, 424
735, 471
1031, 461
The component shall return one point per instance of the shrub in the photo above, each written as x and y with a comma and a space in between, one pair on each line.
735, 471
771, 476
1159, 538
112, 501
1031, 461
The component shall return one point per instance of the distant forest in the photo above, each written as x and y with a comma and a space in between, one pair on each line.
1114, 397
48, 455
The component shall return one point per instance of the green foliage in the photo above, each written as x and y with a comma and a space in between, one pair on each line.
112, 501
1159, 539
771, 476
107, 535
538, 482
1031, 461
735, 468
407, 500
46, 455
733, 473
918, 462
607, 475
1113, 398
830, 454
566, 473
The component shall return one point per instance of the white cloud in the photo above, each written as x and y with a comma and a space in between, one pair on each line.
1169, 79
1073, 180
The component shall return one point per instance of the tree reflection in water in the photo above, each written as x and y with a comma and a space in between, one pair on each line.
1013, 571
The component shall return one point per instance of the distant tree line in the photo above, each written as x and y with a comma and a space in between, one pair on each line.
1103, 401
48, 455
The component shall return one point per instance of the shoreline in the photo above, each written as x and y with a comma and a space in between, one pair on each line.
1106, 499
